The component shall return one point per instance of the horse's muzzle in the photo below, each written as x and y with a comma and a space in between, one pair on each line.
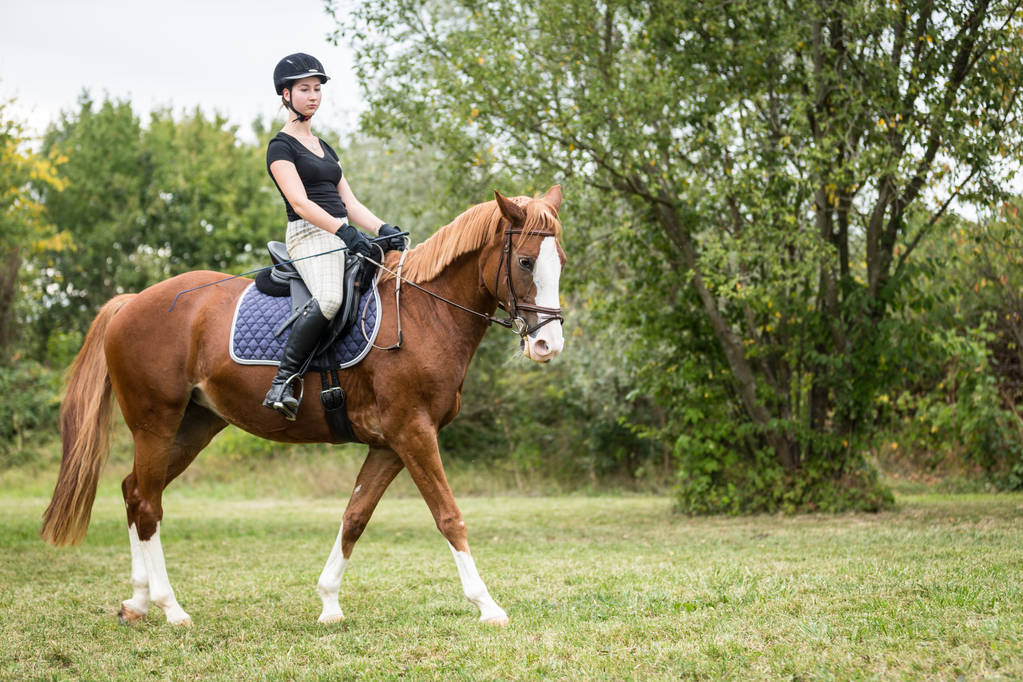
546, 345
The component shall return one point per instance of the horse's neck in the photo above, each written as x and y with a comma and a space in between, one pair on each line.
460, 283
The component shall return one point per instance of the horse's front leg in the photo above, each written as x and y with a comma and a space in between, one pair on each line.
418, 449
474, 588
379, 469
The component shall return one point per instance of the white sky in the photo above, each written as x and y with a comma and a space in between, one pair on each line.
218, 54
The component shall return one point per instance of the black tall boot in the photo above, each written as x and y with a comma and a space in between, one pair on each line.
305, 333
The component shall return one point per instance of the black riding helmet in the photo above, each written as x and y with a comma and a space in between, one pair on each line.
296, 67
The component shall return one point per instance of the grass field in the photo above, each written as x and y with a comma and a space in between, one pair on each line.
596, 587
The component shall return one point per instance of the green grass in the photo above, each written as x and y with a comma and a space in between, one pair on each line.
596, 588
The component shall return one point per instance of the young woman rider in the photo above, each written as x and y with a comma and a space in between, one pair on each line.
321, 209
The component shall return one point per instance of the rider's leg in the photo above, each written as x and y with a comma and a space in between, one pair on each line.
305, 333
324, 275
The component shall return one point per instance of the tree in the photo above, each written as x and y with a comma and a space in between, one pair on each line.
99, 208
783, 159
23, 225
960, 403
141, 204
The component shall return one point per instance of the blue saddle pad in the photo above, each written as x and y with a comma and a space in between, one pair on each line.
257, 316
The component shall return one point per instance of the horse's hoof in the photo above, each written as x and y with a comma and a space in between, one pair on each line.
497, 620
176, 616
128, 615
326, 618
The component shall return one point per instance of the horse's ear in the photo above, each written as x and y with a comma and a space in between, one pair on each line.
510, 209
553, 197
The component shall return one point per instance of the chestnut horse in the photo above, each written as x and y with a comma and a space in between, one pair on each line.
177, 387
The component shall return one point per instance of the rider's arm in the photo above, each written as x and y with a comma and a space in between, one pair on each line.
357, 213
287, 178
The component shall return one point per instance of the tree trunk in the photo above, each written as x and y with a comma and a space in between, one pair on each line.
9, 266
746, 382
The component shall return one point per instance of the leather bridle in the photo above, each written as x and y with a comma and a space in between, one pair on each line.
515, 321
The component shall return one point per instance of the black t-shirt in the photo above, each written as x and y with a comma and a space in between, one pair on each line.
319, 175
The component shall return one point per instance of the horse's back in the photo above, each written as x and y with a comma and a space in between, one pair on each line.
180, 297
166, 330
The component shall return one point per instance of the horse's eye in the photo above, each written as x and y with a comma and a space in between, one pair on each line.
526, 263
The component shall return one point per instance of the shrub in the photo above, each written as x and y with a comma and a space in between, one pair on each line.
29, 410
963, 422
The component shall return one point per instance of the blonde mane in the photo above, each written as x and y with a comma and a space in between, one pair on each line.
469, 232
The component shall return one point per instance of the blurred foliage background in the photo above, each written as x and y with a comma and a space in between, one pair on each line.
795, 252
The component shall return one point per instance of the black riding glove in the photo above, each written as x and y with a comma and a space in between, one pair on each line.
395, 243
356, 242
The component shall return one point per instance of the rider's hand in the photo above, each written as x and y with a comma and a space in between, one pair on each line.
395, 243
356, 242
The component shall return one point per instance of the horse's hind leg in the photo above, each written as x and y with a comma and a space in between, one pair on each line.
379, 469
134, 609
158, 460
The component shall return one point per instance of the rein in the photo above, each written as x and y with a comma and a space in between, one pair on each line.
514, 321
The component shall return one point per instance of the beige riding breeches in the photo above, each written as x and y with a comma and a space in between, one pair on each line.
322, 274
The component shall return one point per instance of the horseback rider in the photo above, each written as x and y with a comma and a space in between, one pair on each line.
321, 209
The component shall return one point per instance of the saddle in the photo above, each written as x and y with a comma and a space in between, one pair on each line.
283, 279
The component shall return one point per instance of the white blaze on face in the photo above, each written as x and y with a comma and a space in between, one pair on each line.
548, 340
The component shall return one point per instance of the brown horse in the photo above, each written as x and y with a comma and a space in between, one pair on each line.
177, 387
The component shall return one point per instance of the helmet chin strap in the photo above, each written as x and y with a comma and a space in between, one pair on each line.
302, 118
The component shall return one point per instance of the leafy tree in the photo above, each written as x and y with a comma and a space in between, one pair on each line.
144, 203
781, 162
23, 225
994, 261
210, 201
959, 405
100, 208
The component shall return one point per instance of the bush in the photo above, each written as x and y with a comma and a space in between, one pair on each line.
964, 421
721, 476
29, 410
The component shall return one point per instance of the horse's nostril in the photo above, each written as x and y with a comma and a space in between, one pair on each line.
541, 347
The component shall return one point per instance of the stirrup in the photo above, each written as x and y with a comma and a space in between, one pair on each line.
282, 409
301, 388
279, 406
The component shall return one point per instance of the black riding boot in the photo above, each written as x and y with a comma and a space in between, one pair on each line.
305, 333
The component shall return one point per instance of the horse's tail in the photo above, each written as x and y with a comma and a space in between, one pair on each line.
84, 432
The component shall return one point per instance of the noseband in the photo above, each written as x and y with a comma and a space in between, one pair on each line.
515, 321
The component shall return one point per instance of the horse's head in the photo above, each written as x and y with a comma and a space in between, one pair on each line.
525, 272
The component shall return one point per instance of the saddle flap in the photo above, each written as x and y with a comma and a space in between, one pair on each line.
283, 271
346, 315
279, 254
285, 280
300, 294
